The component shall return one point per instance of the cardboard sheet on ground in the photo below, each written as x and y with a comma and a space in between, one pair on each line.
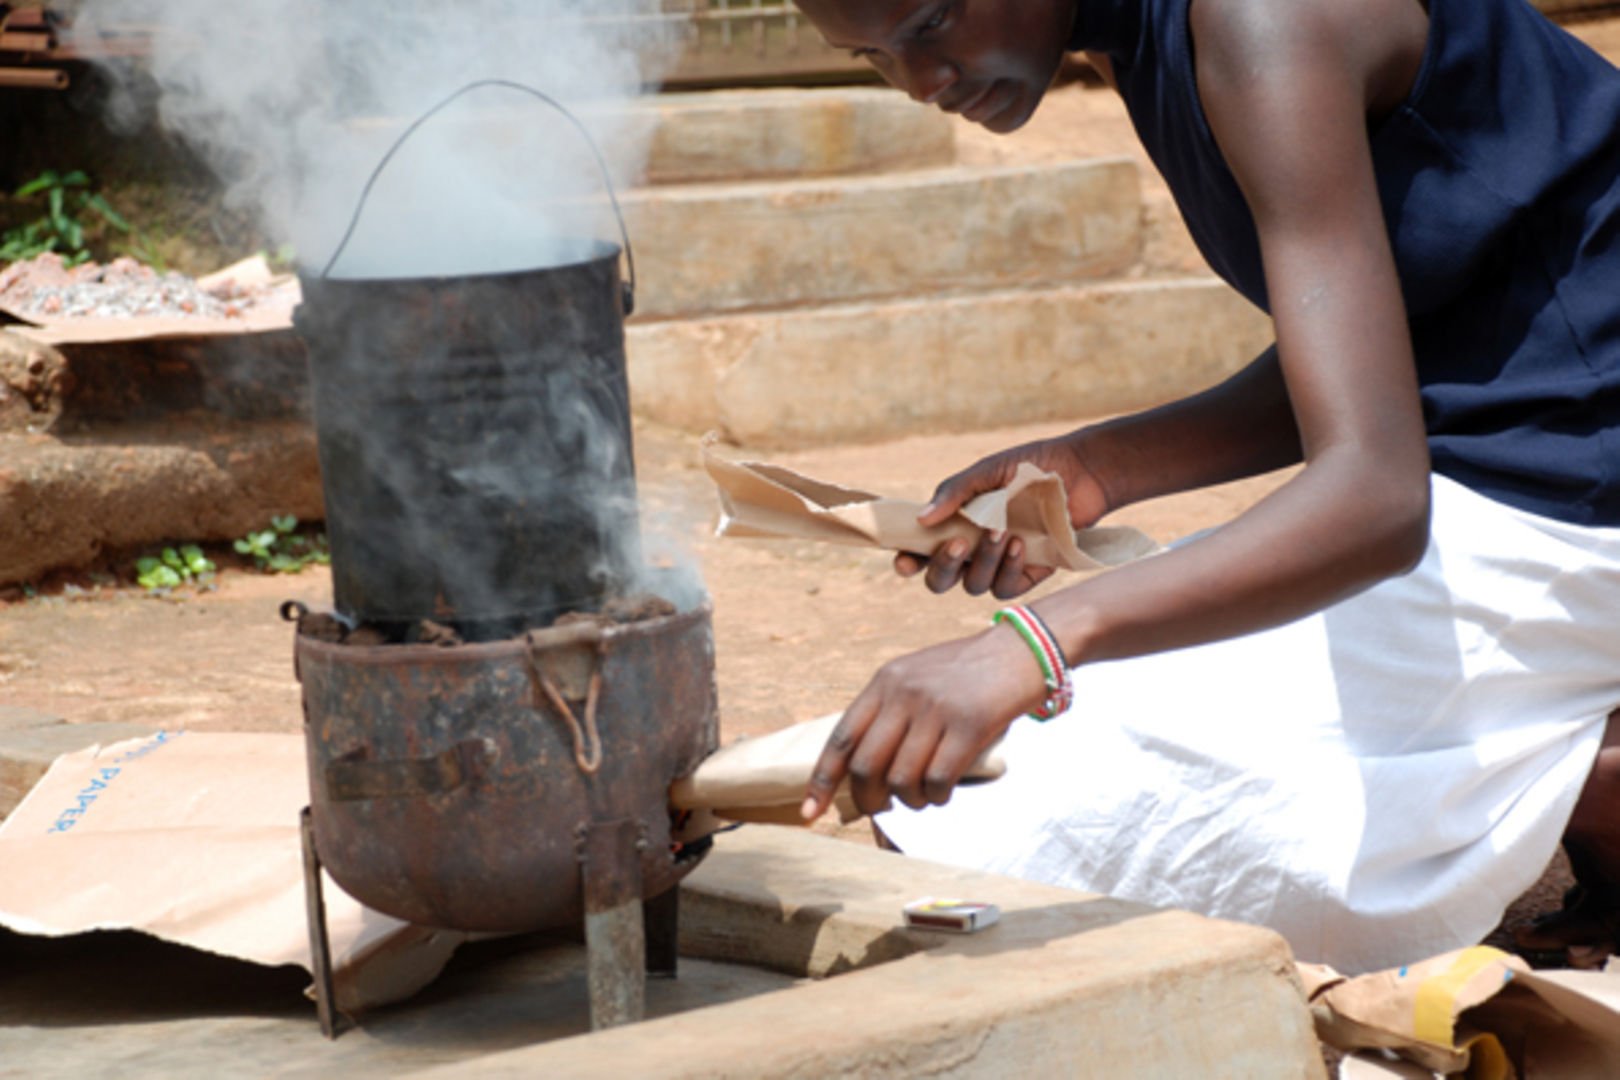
763, 779
763, 500
194, 838
1477, 1012
276, 295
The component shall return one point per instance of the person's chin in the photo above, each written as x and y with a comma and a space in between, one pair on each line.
1011, 116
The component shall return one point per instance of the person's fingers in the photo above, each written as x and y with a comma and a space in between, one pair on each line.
953, 756
833, 764
945, 568
869, 763
908, 565
1013, 578
982, 570
906, 771
955, 491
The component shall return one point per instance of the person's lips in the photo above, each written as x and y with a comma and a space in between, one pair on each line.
988, 104
965, 108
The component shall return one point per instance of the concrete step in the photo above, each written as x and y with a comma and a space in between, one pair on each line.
720, 135
68, 501
792, 134
714, 249
863, 372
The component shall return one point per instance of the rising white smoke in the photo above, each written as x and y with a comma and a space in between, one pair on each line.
294, 102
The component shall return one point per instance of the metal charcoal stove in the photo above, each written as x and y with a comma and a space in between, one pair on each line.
492, 726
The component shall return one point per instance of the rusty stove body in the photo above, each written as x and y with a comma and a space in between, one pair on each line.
475, 450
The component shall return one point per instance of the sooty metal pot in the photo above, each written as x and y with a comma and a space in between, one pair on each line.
458, 787
475, 444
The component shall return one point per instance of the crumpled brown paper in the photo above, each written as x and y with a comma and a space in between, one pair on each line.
763, 779
762, 500
194, 838
1478, 1012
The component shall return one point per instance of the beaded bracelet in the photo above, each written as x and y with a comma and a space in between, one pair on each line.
1059, 686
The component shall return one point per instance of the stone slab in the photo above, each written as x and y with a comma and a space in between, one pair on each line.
17, 718
861, 373
27, 752
124, 1005
714, 249
1065, 985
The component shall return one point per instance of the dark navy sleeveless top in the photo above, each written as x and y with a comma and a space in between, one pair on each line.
1500, 181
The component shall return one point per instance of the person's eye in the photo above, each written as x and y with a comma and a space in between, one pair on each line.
935, 21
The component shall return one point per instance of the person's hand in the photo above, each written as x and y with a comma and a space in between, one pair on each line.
996, 563
924, 719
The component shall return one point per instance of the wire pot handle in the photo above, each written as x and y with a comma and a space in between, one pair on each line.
504, 84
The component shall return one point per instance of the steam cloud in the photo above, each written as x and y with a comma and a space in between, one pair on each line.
295, 102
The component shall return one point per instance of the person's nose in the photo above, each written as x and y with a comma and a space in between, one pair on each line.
927, 75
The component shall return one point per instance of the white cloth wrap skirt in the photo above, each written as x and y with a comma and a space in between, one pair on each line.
1377, 782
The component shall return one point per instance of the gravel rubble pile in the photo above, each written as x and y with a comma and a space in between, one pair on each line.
46, 288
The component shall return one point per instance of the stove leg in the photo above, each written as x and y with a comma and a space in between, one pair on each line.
615, 939
320, 950
662, 917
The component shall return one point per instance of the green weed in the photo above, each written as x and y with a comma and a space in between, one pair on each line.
282, 549
174, 567
72, 210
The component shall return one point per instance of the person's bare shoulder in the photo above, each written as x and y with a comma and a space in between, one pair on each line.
1378, 42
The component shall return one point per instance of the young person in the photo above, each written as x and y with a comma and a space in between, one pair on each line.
1364, 711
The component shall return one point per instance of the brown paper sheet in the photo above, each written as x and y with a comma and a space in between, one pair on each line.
271, 311
763, 779
193, 838
762, 500
1477, 1011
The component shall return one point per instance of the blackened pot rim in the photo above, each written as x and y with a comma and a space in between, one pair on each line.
310, 278
490, 651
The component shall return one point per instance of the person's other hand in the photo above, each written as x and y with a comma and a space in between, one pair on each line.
923, 720
996, 563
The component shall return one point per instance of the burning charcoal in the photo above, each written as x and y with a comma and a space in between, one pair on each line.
429, 632
321, 627
574, 618
630, 609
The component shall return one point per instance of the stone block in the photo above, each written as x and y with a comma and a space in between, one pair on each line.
862, 373
723, 248
1065, 985
68, 502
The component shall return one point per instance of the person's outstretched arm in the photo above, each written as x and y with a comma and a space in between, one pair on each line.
1287, 86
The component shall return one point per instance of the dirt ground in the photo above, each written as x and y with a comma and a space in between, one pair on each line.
799, 626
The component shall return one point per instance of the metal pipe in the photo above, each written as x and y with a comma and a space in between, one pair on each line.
34, 78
